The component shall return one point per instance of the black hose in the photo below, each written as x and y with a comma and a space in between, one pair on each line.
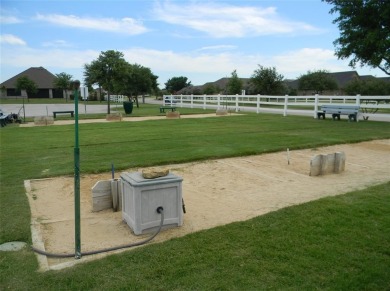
159, 210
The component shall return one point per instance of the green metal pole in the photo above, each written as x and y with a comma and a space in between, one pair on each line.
77, 173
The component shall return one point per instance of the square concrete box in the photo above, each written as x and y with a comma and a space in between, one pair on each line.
141, 197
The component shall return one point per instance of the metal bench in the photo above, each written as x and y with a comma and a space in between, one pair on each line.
162, 109
63, 112
337, 110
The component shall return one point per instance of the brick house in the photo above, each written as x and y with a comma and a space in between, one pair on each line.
41, 77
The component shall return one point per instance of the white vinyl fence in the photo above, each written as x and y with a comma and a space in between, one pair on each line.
368, 104
116, 98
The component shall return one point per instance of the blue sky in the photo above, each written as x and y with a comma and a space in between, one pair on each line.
201, 40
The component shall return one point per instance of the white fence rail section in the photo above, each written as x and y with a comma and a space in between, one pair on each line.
274, 103
116, 98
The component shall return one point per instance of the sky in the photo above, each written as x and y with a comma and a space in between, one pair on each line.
201, 40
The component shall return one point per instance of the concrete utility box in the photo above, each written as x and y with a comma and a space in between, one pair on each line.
141, 197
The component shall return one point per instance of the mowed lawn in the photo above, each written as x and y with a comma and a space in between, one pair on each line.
338, 243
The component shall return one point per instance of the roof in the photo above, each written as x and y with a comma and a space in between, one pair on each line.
342, 78
39, 75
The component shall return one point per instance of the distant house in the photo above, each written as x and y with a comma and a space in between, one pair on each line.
341, 78
41, 77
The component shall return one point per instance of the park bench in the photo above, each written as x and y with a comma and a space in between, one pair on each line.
162, 109
336, 110
63, 112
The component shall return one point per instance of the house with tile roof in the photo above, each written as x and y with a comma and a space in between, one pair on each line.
40, 76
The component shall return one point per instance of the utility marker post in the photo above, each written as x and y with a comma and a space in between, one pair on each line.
76, 86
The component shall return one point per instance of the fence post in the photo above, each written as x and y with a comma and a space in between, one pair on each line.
219, 100
236, 102
358, 104
285, 105
192, 100
358, 99
258, 103
315, 105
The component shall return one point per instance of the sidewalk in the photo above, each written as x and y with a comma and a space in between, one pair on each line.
32, 110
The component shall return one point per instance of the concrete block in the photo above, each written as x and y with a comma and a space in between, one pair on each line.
101, 195
43, 120
116, 192
327, 164
339, 164
221, 112
315, 165
324, 164
173, 115
117, 116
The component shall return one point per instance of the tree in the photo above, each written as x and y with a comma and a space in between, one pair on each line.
364, 32
176, 83
234, 85
63, 81
210, 89
107, 68
370, 87
136, 80
267, 81
317, 81
24, 83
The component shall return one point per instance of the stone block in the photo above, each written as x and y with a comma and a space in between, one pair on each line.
152, 173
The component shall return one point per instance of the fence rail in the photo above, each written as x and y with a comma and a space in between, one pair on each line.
281, 103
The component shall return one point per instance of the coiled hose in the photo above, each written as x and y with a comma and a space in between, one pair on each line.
159, 210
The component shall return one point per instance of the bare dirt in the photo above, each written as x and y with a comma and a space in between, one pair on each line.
215, 192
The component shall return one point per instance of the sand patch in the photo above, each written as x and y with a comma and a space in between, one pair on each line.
215, 192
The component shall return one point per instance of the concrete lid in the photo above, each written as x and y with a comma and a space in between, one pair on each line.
12, 246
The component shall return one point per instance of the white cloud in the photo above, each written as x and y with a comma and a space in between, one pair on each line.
308, 59
125, 25
28, 57
11, 39
56, 43
199, 66
221, 20
218, 47
9, 19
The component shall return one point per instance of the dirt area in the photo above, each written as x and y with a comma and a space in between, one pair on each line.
215, 192
124, 119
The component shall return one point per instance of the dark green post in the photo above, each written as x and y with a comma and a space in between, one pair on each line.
76, 85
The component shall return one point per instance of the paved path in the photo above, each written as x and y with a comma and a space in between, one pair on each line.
32, 110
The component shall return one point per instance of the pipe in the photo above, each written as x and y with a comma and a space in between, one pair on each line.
159, 210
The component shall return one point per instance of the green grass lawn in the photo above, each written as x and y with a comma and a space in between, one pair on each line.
337, 243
